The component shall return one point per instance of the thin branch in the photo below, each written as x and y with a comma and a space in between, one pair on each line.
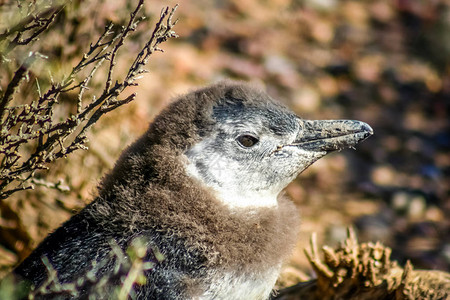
34, 121
125, 32
40, 23
13, 85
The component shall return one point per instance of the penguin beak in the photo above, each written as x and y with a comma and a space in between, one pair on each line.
331, 135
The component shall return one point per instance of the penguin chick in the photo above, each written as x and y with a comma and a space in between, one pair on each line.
202, 187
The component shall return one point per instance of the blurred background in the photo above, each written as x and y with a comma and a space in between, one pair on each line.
383, 62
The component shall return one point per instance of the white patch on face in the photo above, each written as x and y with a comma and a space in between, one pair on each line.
233, 195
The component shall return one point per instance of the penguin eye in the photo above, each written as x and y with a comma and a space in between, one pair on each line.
247, 140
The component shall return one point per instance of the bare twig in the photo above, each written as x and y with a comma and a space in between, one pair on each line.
34, 122
132, 24
20, 74
33, 25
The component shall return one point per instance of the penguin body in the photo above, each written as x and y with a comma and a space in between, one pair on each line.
201, 187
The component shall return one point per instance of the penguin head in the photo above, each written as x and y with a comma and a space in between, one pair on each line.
255, 146
233, 140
